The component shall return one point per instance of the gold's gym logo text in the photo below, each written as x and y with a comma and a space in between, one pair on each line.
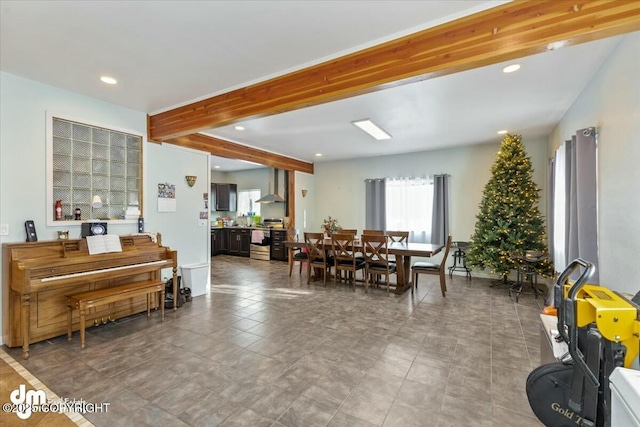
567, 413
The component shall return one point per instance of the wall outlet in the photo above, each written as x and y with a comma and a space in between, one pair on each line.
4, 229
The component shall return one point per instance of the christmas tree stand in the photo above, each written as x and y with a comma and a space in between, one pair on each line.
501, 282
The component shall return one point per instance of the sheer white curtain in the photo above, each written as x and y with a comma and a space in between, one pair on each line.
409, 204
560, 209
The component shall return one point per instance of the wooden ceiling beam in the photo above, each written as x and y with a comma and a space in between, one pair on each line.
222, 148
509, 31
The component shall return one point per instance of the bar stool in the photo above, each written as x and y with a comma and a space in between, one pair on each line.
526, 272
460, 259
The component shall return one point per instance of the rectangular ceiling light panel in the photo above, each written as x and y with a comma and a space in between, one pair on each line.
372, 129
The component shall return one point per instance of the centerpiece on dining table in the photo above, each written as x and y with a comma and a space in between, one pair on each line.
330, 225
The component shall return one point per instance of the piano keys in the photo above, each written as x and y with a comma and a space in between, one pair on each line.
36, 276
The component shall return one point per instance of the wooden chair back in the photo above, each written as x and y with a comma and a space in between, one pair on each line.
446, 254
376, 252
295, 254
317, 255
372, 232
375, 248
435, 269
342, 246
398, 236
315, 247
352, 231
292, 235
344, 256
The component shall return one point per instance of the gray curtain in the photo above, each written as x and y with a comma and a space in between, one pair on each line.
550, 201
375, 212
440, 218
582, 206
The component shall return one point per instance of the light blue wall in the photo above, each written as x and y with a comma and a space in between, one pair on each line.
23, 105
611, 102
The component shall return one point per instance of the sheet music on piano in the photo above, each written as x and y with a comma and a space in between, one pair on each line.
103, 244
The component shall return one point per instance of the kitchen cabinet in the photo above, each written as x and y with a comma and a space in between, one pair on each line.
225, 197
219, 241
278, 251
239, 241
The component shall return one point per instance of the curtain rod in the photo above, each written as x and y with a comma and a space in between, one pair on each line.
407, 177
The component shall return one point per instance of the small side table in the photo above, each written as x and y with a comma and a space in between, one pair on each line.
460, 259
526, 272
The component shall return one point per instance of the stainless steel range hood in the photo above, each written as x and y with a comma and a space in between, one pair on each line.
273, 196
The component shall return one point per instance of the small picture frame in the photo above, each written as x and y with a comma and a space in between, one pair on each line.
63, 235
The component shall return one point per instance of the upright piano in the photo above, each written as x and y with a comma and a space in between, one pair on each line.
36, 276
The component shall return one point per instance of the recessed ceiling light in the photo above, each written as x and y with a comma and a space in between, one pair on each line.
251, 163
511, 68
108, 80
502, 132
318, 154
556, 45
239, 127
216, 167
372, 129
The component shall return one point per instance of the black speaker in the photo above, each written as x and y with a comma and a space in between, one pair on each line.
140, 225
93, 229
30, 228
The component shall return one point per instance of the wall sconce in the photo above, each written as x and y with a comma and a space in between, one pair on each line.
96, 203
304, 193
191, 180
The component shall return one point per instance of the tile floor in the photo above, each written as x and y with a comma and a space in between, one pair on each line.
263, 349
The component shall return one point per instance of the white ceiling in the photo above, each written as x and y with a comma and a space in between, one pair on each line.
168, 53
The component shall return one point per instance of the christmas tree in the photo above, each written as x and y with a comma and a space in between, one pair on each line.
509, 221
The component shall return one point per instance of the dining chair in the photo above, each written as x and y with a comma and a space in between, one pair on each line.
295, 254
344, 256
398, 236
352, 231
318, 258
373, 232
376, 254
431, 268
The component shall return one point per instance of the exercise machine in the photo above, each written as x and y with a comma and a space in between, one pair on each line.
602, 331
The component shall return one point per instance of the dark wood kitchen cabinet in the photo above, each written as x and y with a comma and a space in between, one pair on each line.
224, 197
239, 241
219, 241
278, 251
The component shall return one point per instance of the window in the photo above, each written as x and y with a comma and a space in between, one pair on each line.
87, 161
247, 202
409, 203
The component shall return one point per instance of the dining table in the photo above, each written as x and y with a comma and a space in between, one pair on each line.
403, 251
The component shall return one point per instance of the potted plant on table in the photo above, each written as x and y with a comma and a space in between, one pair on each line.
330, 225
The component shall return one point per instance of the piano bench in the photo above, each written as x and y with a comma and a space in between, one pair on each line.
86, 300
